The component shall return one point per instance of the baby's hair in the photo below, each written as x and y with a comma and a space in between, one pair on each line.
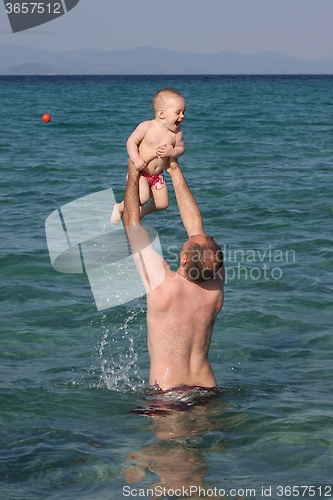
159, 97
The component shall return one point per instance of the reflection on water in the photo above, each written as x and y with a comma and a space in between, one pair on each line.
178, 457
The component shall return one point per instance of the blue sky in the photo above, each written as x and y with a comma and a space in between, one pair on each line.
300, 28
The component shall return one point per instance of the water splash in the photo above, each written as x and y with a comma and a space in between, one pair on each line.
118, 355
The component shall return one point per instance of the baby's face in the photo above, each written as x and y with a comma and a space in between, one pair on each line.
174, 110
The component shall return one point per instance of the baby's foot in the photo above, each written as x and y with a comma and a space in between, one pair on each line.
116, 214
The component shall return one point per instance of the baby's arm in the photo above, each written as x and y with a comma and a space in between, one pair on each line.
172, 151
133, 145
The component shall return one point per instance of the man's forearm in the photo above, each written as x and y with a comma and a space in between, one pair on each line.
131, 214
187, 205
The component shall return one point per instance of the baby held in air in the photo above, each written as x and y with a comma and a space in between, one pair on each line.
149, 148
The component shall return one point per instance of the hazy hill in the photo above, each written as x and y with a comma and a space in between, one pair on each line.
31, 69
149, 60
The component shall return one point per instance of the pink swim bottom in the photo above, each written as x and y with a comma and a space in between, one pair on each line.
154, 180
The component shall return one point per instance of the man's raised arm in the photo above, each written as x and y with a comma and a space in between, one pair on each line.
188, 207
131, 215
148, 261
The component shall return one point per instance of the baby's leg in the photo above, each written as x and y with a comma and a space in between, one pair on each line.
144, 190
159, 201
117, 213
144, 195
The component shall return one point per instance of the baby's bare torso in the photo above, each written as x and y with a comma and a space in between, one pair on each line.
155, 137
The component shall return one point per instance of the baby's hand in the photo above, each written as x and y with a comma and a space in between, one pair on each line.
140, 164
163, 151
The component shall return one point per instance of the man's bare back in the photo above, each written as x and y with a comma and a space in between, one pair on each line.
180, 319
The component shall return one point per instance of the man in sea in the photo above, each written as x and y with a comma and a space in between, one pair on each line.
182, 306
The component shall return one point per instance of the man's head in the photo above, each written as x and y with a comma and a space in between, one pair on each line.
200, 258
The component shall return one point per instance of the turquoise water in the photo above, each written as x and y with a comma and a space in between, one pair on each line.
259, 161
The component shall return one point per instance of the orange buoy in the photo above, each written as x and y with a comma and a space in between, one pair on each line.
46, 118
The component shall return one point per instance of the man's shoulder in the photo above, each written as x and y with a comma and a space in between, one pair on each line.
219, 278
220, 274
169, 278
169, 275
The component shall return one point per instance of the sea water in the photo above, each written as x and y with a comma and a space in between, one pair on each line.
259, 162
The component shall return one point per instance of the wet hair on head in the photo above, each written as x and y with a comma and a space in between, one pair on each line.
204, 261
158, 98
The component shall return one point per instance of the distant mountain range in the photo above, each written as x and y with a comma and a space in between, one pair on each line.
148, 61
